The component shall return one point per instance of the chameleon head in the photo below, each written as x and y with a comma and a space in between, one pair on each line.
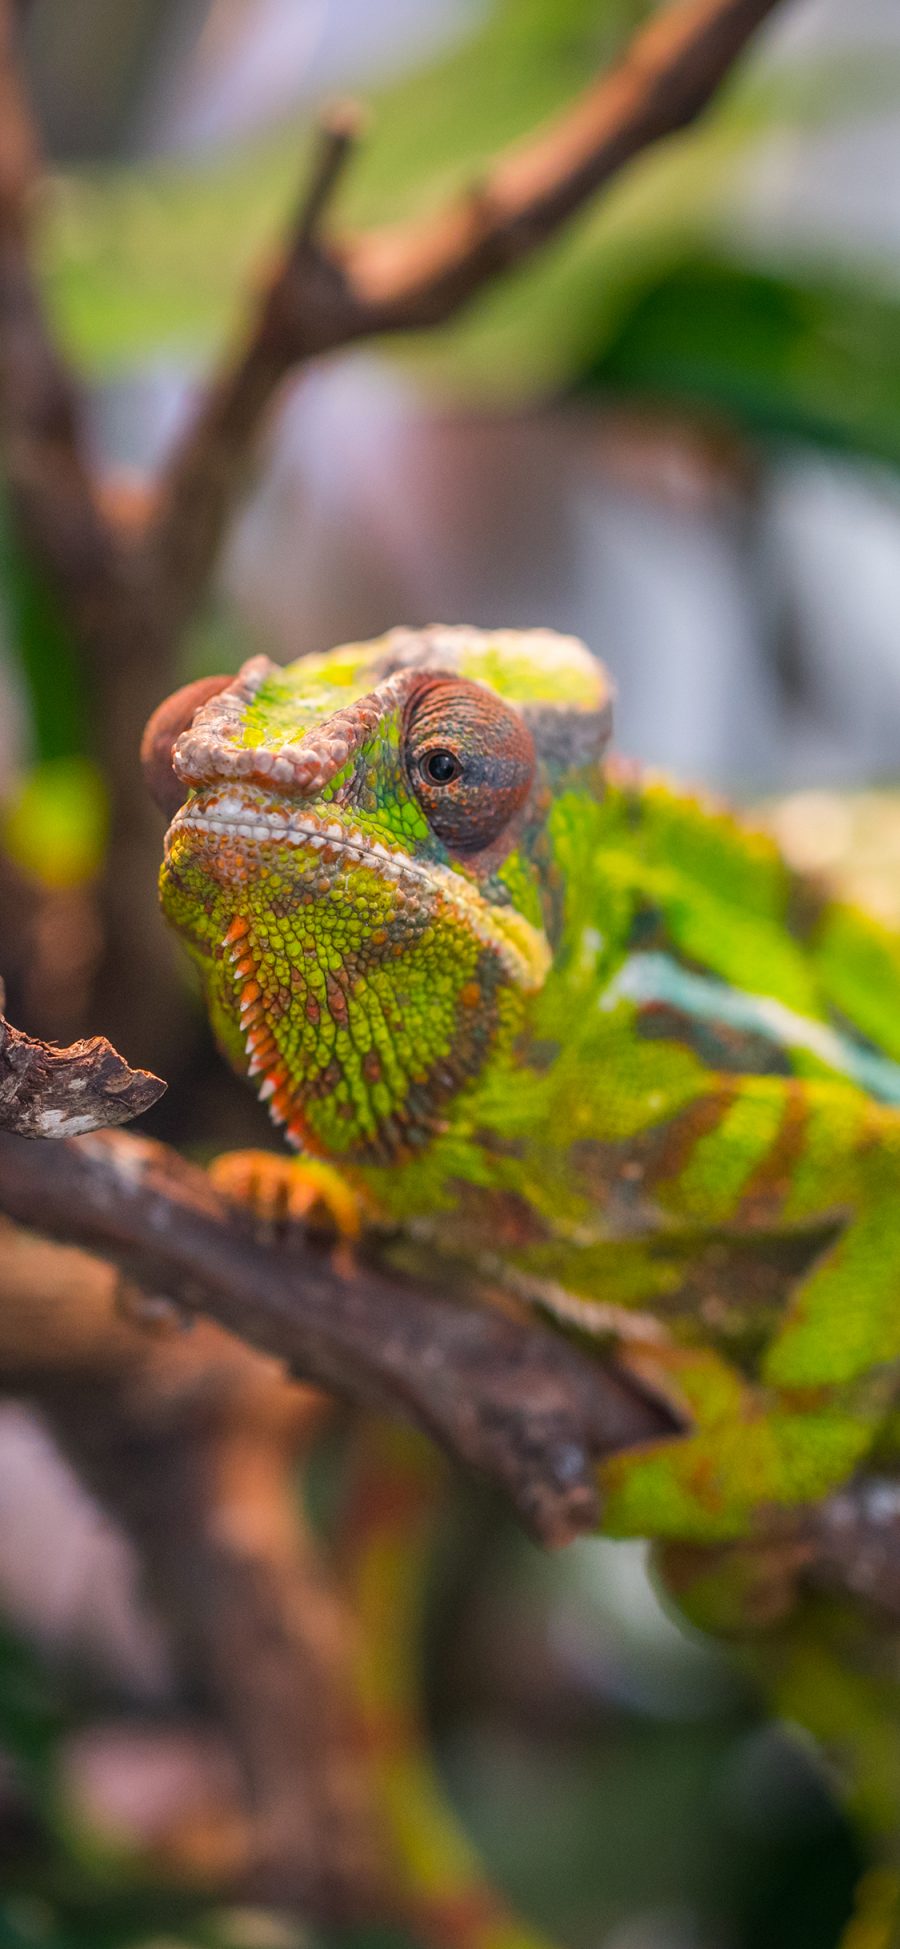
361, 865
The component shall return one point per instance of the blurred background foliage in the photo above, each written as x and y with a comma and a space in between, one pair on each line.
677, 433
147, 258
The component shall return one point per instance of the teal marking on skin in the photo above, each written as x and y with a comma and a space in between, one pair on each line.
648, 978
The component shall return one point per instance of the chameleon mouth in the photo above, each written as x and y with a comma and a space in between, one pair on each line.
521, 948
227, 816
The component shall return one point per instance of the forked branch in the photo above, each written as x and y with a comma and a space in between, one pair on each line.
325, 294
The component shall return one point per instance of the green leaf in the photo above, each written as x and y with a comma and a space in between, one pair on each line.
806, 357
32, 1721
54, 825
41, 644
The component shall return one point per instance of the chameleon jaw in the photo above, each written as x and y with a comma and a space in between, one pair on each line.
322, 953
521, 947
229, 818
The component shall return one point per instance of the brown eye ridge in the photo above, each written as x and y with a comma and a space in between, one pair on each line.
471, 761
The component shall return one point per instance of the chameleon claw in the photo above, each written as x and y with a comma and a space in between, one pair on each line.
282, 1191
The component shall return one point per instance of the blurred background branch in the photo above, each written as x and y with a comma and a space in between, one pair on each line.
326, 294
191, 1442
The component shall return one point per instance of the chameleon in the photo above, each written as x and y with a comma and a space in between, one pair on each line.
530, 1014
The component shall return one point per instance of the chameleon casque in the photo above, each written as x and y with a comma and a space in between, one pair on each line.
557, 1025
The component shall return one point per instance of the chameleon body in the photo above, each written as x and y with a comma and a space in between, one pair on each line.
573, 1033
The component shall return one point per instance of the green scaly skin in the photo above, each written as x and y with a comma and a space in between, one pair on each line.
569, 1029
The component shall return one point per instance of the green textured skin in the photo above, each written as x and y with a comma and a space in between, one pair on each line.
448, 1029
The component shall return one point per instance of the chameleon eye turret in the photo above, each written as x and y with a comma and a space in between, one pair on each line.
471, 761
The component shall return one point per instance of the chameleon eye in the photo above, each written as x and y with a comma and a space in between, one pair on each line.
471, 761
441, 767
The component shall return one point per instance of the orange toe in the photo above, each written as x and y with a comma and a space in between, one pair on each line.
279, 1191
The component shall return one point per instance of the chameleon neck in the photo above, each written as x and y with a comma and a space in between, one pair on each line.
534, 1092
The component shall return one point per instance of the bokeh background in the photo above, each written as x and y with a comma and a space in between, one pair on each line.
677, 434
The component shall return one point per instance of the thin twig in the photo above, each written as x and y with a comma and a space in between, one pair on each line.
337, 134
513, 1400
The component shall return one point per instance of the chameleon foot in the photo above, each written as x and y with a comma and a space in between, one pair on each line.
282, 1191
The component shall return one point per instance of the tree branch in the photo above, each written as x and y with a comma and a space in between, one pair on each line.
47, 1092
326, 295
513, 1400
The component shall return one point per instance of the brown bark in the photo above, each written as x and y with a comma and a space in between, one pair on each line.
513, 1400
48, 1092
